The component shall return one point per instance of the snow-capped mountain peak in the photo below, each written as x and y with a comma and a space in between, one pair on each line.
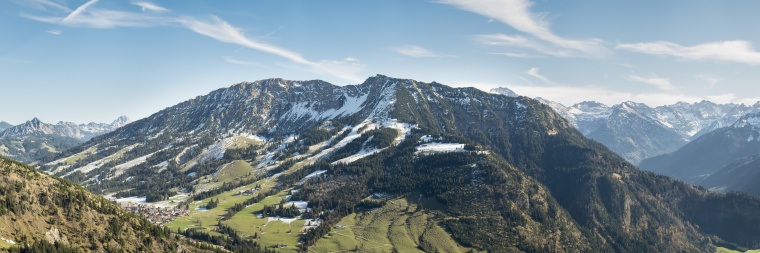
504, 91
749, 120
120, 121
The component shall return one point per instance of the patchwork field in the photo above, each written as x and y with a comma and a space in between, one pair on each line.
725, 250
397, 226
268, 231
201, 218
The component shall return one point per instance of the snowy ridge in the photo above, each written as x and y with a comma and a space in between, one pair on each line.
749, 120
504, 91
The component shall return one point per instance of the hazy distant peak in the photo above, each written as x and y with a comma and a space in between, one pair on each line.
751, 119
589, 106
504, 91
120, 121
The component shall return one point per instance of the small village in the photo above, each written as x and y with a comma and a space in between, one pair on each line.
156, 214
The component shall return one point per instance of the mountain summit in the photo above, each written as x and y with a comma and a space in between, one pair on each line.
500, 173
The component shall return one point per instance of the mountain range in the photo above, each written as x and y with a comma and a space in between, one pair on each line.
499, 173
34, 139
4, 125
637, 131
725, 159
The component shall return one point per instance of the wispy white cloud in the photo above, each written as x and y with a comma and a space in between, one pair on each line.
222, 31
732, 98
712, 81
79, 10
738, 51
105, 19
534, 73
517, 14
521, 42
55, 32
659, 82
232, 60
148, 6
43, 4
517, 55
419, 52
213, 27
346, 70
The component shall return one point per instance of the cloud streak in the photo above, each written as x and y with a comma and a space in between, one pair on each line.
517, 41
212, 27
659, 82
517, 14
222, 31
147, 6
737, 51
516, 55
418, 52
77, 11
534, 73
48, 3
232, 60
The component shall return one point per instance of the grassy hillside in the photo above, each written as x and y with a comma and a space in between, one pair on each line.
38, 209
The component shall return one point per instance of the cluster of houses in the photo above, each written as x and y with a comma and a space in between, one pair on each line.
156, 214
248, 192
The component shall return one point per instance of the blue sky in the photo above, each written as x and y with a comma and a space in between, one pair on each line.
93, 60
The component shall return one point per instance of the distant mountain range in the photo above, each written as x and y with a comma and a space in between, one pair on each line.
725, 159
34, 139
498, 173
83, 132
637, 131
4, 125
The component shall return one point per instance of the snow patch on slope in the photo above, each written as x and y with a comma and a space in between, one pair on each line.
304, 110
313, 174
119, 169
97, 164
437, 147
359, 155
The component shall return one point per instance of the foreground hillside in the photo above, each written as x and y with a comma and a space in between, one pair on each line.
46, 212
265, 159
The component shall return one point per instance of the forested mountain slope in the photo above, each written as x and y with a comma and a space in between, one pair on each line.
536, 182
